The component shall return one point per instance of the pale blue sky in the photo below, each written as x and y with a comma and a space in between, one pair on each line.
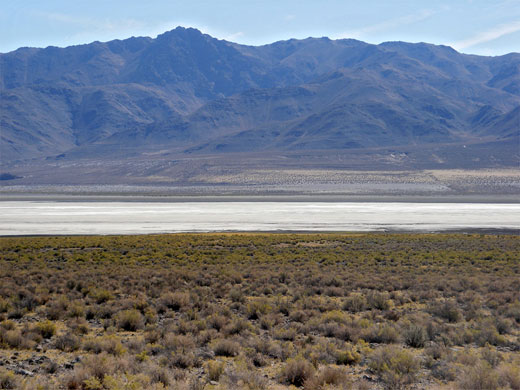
485, 27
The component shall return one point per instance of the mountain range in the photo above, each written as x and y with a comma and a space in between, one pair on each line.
186, 93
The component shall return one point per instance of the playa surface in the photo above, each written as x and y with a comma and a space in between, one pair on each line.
116, 217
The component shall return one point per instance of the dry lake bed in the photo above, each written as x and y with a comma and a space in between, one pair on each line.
52, 218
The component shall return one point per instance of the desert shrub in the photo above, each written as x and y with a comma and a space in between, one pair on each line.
57, 309
215, 277
8, 380
266, 322
187, 327
26, 300
288, 334
67, 342
296, 372
355, 303
437, 351
159, 375
76, 311
255, 381
327, 376
378, 300
392, 315
395, 366
320, 352
50, 366
267, 347
7, 325
101, 295
257, 308
478, 377
513, 311
509, 375
257, 359
238, 326
444, 371
415, 336
491, 355
178, 343
46, 329
467, 357
236, 295
130, 320
384, 334
489, 335
99, 312
243, 379
348, 356
152, 336
16, 313
226, 348
446, 310
298, 316
13, 339
5, 305
503, 325
214, 369
182, 360
194, 383
90, 373
109, 344
175, 301
216, 321
78, 326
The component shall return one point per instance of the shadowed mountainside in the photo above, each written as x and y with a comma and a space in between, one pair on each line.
190, 94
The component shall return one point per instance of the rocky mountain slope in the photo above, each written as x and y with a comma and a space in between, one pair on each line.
186, 93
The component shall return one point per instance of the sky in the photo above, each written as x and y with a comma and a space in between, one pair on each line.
484, 27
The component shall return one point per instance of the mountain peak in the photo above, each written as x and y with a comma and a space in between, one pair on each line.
182, 33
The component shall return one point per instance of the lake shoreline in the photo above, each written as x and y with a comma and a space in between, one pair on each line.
469, 231
224, 198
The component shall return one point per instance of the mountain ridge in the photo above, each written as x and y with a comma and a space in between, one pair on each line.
190, 93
